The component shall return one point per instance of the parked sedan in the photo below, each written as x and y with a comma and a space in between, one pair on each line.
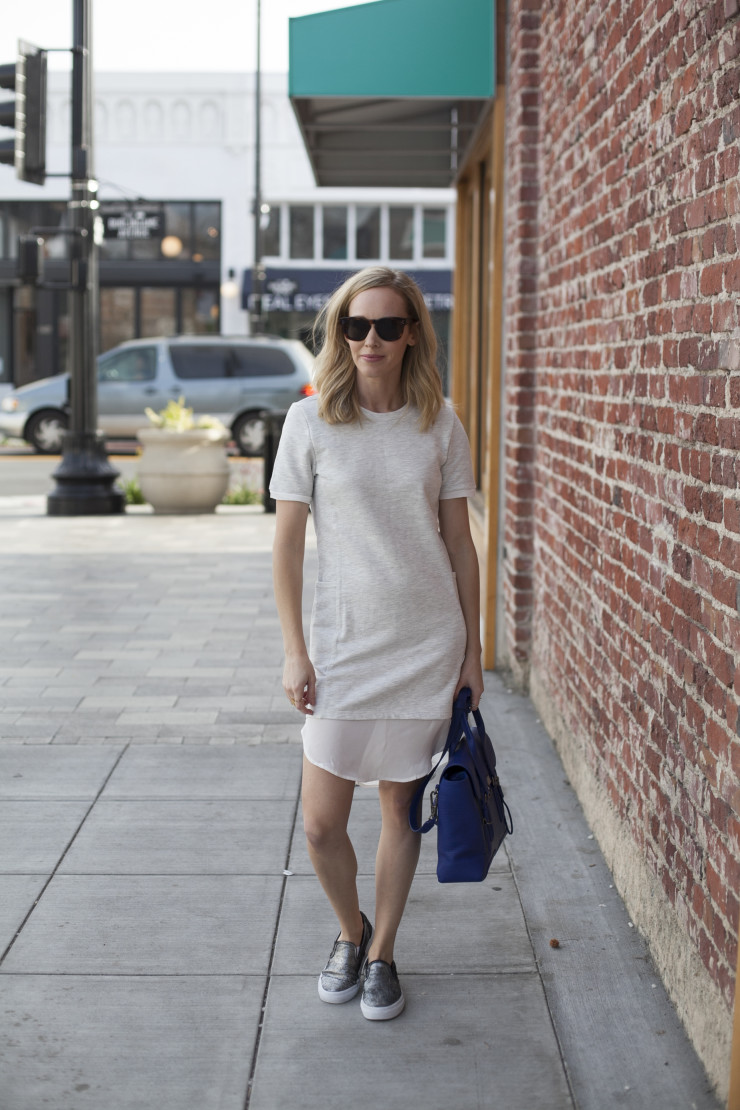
235, 379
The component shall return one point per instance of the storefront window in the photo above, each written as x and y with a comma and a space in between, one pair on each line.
207, 221
401, 221
271, 233
177, 233
145, 248
434, 223
335, 231
117, 317
158, 315
301, 231
367, 238
200, 312
113, 249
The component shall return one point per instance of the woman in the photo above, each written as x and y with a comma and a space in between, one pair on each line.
385, 465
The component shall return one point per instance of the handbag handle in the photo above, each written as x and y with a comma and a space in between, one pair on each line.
501, 804
459, 724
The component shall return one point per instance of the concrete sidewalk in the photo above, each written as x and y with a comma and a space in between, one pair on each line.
161, 930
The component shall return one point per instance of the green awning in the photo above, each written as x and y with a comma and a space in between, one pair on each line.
390, 93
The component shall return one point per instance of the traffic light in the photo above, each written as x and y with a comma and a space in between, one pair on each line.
26, 114
29, 267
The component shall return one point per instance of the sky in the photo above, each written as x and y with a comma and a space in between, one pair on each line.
163, 35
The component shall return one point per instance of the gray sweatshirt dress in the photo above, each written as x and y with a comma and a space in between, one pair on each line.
387, 635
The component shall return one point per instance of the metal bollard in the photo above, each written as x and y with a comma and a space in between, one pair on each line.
273, 428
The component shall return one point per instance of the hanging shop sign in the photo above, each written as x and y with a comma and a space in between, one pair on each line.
133, 221
294, 290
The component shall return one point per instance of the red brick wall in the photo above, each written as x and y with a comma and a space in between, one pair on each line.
520, 305
623, 275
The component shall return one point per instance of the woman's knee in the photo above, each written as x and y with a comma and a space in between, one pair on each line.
395, 800
326, 805
324, 832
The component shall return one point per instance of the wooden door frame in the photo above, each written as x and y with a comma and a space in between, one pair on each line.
487, 147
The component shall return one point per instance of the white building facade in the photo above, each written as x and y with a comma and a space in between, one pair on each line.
175, 159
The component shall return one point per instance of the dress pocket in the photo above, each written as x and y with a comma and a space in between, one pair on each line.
324, 626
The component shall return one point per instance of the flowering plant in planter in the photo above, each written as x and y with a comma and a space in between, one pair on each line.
183, 466
176, 417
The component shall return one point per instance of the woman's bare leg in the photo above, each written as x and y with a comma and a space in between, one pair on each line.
395, 865
327, 800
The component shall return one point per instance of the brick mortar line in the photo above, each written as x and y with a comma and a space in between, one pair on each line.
645, 670
570, 578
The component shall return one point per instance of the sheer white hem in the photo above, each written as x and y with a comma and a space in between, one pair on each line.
368, 751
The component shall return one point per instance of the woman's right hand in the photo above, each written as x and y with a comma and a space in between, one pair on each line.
299, 683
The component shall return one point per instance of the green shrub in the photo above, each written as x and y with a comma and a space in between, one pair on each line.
132, 492
241, 495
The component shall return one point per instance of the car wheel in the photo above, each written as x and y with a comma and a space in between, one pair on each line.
45, 431
249, 434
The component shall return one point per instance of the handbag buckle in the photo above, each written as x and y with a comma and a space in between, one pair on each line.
433, 799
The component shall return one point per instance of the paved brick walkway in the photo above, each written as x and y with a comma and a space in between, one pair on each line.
140, 629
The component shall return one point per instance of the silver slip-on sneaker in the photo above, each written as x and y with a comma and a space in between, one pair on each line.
382, 997
340, 979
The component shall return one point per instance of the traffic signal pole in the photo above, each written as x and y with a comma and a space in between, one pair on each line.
257, 320
84, 478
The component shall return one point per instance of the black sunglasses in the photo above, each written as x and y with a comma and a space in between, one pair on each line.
388, 328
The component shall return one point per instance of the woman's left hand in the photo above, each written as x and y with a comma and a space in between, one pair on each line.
471, 674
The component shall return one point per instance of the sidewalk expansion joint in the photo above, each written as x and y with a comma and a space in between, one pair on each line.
268, 978
61, 859
551, 1016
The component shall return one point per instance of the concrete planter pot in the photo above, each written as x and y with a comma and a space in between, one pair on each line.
183, 472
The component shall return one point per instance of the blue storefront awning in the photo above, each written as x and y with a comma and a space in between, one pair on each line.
290, 289
390, 93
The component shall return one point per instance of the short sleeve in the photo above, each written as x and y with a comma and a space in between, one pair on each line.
457, 469
293, 472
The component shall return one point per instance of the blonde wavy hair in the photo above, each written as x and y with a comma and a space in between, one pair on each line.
335, 375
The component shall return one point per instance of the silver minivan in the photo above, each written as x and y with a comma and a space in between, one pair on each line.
236, 379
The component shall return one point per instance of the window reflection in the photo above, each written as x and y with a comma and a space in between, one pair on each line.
199, 312
401, 222
335, 231
434, 232
271, 232
177, 227
117, 316
158, 316
301, 231
207, 226
367, 239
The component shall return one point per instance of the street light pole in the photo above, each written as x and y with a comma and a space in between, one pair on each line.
84, 478
258, 273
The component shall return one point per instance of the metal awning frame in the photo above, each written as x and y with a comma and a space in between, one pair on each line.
363, 141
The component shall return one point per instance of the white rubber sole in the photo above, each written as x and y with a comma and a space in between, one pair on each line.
337, 997
383, 1013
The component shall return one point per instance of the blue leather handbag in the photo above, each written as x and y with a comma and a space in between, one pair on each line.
468, 804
